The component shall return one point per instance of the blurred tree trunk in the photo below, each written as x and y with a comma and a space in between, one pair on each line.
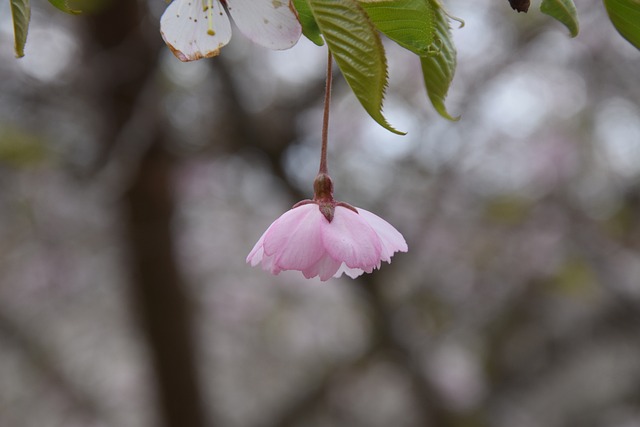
160, 295
123, 61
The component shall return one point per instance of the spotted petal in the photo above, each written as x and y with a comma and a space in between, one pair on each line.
193, 31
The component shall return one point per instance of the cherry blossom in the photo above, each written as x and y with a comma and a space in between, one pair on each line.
195, 29
325, 238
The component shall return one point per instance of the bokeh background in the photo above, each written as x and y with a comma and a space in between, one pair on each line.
132, 187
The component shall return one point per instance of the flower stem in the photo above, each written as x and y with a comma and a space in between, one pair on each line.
325, 118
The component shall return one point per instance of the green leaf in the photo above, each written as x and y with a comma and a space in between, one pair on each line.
309, 25
64, 6
625, 16
407, 22
439, 67
21, 14
355, 44
564, 11
77, 7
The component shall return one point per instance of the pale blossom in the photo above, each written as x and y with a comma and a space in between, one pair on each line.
326, 238
195, 29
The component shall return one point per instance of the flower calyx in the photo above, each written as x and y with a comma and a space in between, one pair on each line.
323, 188
323, 197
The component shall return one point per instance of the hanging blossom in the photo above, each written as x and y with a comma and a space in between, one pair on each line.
195, 29
325, 238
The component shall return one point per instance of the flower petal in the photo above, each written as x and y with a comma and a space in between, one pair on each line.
185, 29
256, 254
392, 240
351, 272
350, 239
268, 264
294, 239
269, 23
326, 267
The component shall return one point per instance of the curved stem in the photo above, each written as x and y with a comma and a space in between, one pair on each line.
325, 118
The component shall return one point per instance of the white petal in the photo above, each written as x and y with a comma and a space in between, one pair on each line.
351, 272
269, 23
185, 28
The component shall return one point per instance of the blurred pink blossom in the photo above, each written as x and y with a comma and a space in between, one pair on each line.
326, 238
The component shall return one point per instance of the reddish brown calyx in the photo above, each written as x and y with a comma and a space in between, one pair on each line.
327, 208
323, 195
323, 188
348, 206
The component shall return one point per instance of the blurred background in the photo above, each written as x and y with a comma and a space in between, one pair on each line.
132, 187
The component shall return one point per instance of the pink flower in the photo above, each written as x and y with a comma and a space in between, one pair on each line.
326, 238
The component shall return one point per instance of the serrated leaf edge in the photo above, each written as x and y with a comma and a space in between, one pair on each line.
377, 112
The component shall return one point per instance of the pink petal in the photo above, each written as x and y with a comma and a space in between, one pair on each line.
294, 239
350, 239
269, 23
326, 267
392, 240
268, 264
256, 254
